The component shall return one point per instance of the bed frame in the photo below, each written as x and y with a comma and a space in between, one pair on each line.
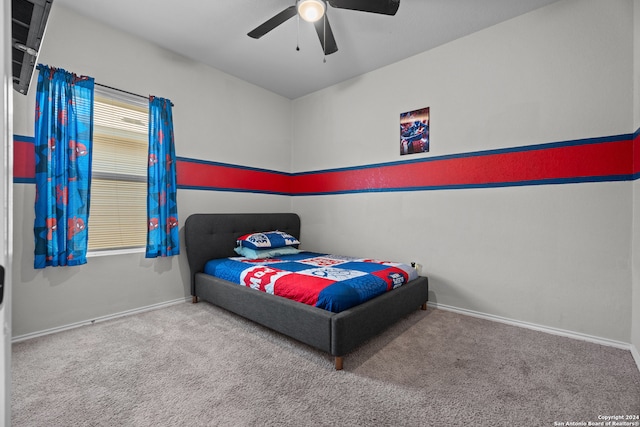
210, 236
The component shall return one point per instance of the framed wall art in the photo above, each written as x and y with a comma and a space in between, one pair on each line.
414, 131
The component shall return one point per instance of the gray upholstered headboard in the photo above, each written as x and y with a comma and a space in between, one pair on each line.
210, 236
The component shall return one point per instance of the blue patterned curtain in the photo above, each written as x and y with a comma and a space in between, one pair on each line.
63, 134
162, 208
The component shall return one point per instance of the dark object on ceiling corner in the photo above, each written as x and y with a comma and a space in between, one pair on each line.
28, 24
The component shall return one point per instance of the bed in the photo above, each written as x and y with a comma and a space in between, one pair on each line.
214, 236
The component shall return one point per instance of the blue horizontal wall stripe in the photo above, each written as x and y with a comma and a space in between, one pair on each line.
19, 180
233, 190
23, 138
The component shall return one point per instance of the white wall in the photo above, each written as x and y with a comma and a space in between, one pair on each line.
552, 255
6, 217
635, 320
207, 105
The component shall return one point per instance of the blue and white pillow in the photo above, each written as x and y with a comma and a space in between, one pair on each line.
267, 240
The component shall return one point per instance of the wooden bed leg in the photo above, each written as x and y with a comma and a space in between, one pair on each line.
194, 299
338, 363
423, 306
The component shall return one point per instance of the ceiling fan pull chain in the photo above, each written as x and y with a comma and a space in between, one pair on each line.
298, 35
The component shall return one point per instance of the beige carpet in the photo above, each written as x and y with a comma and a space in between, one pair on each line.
197, 365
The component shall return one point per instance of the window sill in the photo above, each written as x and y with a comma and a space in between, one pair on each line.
116, 252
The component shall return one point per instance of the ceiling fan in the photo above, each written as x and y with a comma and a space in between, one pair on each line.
315, 11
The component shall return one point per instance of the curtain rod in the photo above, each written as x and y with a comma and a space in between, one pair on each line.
124, 91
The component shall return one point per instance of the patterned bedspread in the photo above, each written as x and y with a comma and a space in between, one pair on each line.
331, 282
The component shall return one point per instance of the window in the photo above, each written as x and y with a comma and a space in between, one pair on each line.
118, 203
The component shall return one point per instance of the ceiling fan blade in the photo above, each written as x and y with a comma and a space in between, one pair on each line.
272, 23
327, 40
384, 7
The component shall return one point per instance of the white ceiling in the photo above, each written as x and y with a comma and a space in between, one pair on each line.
214, 32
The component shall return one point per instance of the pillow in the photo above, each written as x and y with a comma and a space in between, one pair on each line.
267, 240
266, 253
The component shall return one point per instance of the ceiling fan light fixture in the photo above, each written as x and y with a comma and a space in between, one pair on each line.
311, 10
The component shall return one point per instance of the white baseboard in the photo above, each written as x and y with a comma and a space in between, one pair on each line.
636, 355
25, 337
541, 328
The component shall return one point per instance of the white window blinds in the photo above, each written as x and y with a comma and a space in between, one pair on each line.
118, 203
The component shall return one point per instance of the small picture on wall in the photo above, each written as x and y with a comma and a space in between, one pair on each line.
414, 131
